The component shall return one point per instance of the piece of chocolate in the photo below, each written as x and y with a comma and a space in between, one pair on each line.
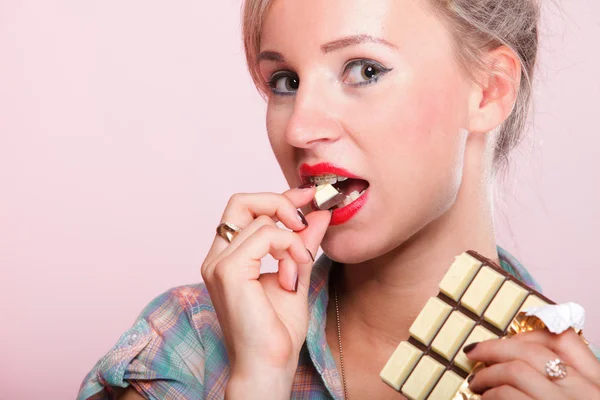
429, 320
328, 196
423, 378
448, 383
477, 301
400, 364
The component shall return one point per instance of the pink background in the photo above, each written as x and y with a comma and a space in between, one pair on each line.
114, 117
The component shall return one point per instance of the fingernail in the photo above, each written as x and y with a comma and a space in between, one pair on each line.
302, 218
311, 255
470, 378
296, 283
307, 186
469, 348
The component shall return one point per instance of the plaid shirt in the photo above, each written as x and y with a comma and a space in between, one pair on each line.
175, 349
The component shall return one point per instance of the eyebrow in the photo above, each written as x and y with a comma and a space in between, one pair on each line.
353, 41
270, 56
329, 46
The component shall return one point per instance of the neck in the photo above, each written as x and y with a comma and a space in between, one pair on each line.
381, 297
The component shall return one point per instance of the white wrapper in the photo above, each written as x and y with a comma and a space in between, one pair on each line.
560, 317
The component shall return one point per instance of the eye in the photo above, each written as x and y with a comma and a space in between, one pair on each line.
284, 83
363, 72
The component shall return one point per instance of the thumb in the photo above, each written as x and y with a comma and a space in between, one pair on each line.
318, 222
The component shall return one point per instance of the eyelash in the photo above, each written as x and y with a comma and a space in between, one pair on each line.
271, 83
362, 62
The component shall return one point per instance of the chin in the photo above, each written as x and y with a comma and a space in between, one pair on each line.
354, 246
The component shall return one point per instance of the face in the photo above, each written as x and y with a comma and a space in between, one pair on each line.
371, 87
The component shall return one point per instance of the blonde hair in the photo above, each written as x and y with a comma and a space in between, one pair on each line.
477, 26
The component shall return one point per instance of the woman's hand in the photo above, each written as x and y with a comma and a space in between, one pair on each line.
516, 368
264, 318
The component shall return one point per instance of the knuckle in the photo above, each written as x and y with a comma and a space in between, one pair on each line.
297, 239
517, 368
265, 220
203, 270
236, 198
530, 351
286, 202
566, 339
290, 237
265, 230
220, 270
207, 270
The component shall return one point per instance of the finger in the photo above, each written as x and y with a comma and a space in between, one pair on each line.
506, 350
517, 374
570, 348
280, 255
243, 208
531, 353
213, 259
248, 231
526, 379
287, 274
246, 259
505, 393
318, 222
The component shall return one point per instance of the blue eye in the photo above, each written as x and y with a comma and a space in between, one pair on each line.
363, 72
284, 83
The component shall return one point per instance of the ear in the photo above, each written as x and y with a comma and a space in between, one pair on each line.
495, 92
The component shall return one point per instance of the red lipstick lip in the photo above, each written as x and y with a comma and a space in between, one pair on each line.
306, 171
339, 215
344, 214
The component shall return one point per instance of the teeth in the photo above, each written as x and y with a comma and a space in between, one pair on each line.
350, 198
327, 179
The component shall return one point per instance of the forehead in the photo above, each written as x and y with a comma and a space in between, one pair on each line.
314, 22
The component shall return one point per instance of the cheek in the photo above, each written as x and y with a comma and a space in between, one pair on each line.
414, 124
276, 124
414, 134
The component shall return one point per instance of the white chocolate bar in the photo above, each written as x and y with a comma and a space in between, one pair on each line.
401, 363
532, 301
429, 320
452, 335
482, 289
422, 379
479, 334
328, 196
448, 384
505, 305
477, 301
459, 276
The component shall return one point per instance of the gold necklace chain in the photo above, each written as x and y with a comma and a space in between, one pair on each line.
339, 333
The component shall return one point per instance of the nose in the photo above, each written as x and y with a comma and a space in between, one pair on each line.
314, 119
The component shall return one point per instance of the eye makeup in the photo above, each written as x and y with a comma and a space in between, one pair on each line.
355, 73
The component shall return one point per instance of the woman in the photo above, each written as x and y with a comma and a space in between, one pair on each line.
418, 102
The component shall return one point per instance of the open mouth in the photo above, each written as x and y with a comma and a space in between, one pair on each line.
351, 188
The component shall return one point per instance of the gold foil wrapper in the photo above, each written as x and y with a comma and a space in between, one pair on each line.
521, 323
464, 393
524, 323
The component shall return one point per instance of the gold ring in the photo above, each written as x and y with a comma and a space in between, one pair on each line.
228, 231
